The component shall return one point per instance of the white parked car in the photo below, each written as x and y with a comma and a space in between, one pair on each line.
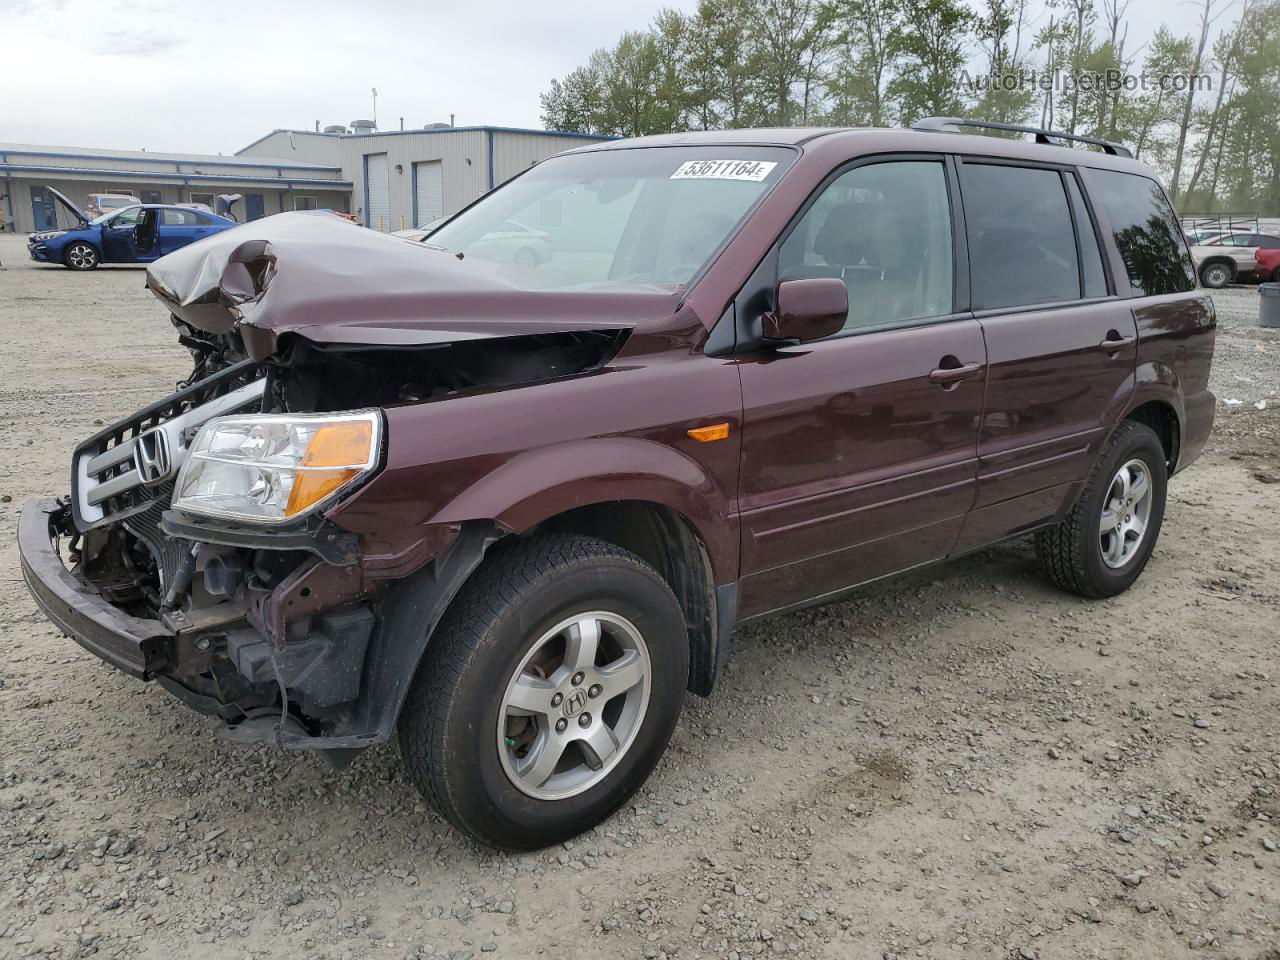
1229, 257
512, 241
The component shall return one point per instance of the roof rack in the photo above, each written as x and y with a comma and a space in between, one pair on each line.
947, 125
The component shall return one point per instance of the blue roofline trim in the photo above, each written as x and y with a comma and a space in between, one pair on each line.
479, 129
80, 173
210, 161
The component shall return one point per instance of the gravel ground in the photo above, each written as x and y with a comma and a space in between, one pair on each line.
960, 763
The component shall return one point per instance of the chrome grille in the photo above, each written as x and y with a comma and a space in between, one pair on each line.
106, 482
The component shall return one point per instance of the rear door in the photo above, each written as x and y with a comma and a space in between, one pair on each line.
177, 228
858, 454
1061, 347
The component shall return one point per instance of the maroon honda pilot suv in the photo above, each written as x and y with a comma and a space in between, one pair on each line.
511, 509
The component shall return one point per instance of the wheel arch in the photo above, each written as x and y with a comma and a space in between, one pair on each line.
532, 488
667, 541
1164, 420
1233, 268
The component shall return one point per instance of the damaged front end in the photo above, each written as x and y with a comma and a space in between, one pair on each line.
199, 546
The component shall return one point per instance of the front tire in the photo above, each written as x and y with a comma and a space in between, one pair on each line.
1104, 543
548, 692
81, 256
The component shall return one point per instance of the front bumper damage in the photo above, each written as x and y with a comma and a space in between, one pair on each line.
135, 645
330, 676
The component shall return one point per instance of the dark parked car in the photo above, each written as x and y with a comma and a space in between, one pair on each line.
136, 234
514, 511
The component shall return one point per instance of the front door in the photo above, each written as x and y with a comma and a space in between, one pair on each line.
119, 237
1061, 351
44, 212
859, 451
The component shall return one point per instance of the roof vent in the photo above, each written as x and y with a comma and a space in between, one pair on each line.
363, 126
437, 126
335, 128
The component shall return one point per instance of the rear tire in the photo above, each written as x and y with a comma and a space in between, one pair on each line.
81, 256
1215, 276
465, 741
1104, 543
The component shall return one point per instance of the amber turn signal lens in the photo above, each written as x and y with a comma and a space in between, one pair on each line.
344, 447
715, 431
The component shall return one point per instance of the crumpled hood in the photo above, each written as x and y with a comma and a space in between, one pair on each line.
325, 279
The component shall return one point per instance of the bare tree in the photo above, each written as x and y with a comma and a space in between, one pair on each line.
1212, 10
1226, 62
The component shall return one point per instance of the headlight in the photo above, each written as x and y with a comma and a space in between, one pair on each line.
269, 468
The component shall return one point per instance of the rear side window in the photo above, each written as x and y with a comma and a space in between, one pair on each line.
1021, 247
178, 218
1093, 280
885, 230
1145, 231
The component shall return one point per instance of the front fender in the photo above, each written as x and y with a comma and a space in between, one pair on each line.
539, 484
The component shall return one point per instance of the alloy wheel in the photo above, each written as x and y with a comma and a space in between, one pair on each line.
1126, 512
82, 256
574, 706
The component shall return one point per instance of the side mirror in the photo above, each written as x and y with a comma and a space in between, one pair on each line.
808, 309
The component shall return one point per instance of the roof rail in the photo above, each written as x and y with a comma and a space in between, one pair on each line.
947, 125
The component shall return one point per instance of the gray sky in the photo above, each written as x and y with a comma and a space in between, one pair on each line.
210, 77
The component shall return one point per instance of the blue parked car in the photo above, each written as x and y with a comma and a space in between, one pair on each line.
137, 234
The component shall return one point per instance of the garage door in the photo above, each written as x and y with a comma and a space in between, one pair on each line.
429, 198
378, 215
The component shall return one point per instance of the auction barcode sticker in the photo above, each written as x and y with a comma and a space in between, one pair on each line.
752, 170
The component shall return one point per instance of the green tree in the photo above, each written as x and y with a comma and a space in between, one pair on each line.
998, 28
786, 34
865, 33
930, 55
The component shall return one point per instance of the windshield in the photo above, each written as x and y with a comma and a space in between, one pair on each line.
615, 218
123, 218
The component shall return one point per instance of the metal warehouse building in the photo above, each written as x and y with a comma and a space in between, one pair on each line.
389, 180
269, 185
408, 178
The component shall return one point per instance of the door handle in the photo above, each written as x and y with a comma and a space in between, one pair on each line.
947, 376
1117, 343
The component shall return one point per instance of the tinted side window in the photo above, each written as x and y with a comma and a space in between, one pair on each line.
1095, 281
1146, 232
885, 229
1269, 243
1021, 248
